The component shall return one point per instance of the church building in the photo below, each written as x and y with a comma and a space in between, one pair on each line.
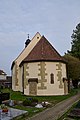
39, 70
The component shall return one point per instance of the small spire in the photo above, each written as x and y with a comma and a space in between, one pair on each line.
27, 41
28, 36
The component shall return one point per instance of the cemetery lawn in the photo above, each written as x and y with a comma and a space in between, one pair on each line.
18, 96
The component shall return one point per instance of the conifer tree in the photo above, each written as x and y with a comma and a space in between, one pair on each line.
75, 48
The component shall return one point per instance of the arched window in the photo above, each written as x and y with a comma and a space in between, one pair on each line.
52, 78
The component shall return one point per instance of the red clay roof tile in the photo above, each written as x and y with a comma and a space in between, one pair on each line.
43, 51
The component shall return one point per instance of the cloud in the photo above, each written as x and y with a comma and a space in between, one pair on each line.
53, 18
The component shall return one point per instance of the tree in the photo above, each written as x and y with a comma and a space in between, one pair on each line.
73, 68
75, 48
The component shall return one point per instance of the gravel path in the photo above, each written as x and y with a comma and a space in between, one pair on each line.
55, 112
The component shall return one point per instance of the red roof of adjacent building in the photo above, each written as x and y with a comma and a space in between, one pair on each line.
43, 51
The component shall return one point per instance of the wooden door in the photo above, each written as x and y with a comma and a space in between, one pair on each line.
33, 88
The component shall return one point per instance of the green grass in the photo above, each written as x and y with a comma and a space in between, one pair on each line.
15, 95
19, 96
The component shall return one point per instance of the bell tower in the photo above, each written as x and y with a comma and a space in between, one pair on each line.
27, 41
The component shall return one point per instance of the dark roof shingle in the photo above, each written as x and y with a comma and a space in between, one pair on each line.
43, 51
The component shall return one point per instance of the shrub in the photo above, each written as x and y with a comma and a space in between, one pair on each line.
35, 100
27, 102
30, 102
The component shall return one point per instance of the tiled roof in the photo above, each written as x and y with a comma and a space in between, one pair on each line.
43, 51
2, 72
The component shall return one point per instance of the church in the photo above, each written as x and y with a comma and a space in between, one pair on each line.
39, 70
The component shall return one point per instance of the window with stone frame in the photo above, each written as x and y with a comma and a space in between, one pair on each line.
52, 78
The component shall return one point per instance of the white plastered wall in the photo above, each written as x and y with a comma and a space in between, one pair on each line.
3, 77
20, 58
28, 49
52, 89
33, 73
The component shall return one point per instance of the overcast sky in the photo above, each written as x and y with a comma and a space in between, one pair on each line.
55, 19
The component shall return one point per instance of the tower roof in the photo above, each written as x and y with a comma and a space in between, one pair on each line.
43, 51
27, 41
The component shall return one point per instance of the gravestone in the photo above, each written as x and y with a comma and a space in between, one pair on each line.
4, 96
